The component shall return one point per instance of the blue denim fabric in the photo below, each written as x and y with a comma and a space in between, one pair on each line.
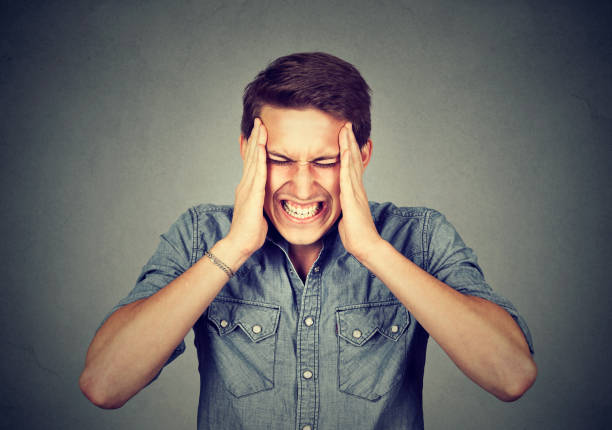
338, 351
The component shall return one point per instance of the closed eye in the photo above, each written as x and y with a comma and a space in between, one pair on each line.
319, 164
280, 162
325, 165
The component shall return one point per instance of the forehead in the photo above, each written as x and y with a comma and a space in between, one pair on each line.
301, 132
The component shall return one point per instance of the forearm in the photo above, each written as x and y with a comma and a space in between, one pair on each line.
480, 337
136, 341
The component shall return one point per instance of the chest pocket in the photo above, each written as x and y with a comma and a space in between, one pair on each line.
371, 347
243, 343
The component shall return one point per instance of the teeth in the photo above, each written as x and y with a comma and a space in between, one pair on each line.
302, 213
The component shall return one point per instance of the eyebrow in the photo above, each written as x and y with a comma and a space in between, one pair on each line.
322, 158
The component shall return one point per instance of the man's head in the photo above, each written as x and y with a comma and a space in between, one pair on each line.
303, 101
311, 79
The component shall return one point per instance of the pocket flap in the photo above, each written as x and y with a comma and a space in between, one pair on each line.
257, 320
358, 323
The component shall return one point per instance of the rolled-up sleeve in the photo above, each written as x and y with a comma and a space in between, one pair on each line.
452, 262
171, 259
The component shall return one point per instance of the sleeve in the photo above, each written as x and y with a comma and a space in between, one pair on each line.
452, 262
172, 257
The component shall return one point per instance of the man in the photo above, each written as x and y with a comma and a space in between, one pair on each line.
311, 307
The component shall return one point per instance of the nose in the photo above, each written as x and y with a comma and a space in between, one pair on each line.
303, 181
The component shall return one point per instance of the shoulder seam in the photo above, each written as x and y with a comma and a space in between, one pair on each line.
212, 208
425, 245
194, 240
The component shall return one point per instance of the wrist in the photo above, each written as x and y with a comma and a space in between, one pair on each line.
368, 250
231, 253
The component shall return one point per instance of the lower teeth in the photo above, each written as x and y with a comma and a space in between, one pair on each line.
301, 214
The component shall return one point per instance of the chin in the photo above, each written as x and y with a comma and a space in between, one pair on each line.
299, 238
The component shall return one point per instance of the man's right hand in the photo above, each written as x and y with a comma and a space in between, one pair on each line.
249, 227
136, 341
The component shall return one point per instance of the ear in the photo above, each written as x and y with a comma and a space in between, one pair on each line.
366, 153
243, 144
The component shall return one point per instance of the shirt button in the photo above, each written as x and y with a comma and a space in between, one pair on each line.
307, 374
256, 329
356, 334
316, 269
224, 323
309, 321
306, 427
394, 329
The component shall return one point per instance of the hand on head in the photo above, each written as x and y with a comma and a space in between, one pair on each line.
356, 228
249, 227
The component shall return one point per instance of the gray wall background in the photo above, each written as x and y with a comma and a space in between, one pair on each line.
117, 116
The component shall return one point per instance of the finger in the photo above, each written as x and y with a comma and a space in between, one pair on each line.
344, 141
354, 147
261, 165
259, 149
345, 161
263, 134
357, 160
354, 171
252, 142
261, 172
247, 149
250, 158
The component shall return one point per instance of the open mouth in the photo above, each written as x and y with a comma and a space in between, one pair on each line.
302, 212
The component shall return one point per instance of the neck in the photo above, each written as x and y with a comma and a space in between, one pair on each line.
304, 256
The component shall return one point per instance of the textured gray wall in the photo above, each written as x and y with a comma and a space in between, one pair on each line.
117, 116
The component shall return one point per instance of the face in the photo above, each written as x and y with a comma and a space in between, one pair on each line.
303, 183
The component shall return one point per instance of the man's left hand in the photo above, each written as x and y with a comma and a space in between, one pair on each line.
356, 228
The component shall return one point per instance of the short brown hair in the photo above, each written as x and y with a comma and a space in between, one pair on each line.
310, 79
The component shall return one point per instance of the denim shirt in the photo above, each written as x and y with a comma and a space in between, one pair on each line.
337, 351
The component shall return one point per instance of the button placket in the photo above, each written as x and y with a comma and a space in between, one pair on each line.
307, 337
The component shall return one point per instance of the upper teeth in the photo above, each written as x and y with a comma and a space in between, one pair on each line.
299, 212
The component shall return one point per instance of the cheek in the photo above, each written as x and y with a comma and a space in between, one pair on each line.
329, 179
275, 179
270, 177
